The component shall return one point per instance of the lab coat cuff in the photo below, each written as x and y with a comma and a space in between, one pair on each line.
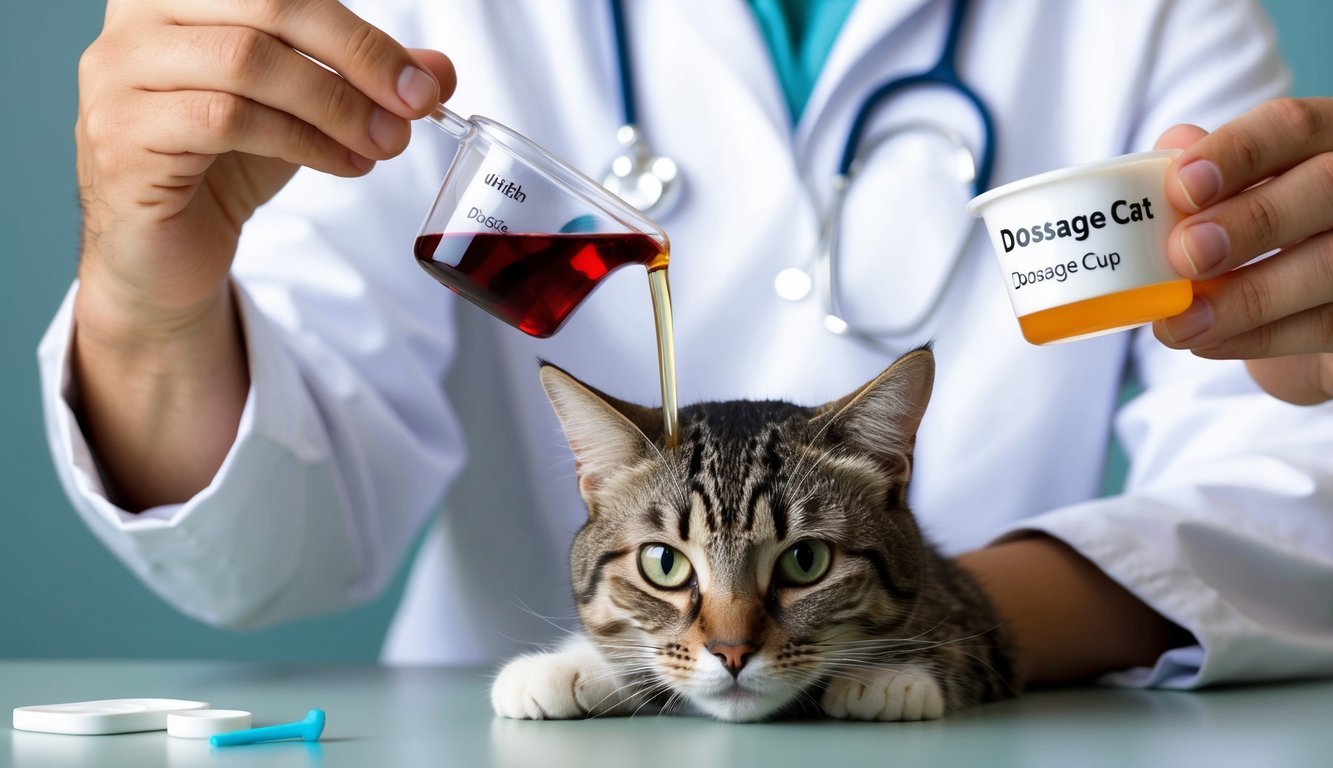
1137, 555
268, 416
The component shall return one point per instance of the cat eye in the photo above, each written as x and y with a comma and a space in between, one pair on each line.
804, 563
664, 566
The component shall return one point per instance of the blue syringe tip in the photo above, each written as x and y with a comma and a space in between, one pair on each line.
308, 729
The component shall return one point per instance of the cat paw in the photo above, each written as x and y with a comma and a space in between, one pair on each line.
555, 686
885, 694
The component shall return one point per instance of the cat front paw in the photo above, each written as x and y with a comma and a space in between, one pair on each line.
556, 686
884, 694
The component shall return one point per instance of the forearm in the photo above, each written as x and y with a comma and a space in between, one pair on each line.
1069, 621
159, 402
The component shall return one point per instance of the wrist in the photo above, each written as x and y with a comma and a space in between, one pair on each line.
127, 319
159, 402
1069, 620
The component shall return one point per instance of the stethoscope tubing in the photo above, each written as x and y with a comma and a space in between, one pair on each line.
628, 98
943, 73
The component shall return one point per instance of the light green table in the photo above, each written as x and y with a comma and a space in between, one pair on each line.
386, 718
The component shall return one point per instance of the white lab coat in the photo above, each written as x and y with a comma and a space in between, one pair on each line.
350, 438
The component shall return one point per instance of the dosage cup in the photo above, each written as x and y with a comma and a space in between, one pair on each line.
1083, 249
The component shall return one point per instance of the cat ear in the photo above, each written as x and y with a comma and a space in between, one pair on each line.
604, 432
882, 417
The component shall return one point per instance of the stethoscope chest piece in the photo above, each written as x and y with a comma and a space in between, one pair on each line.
646, 181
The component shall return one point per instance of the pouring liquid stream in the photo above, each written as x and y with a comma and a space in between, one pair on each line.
533, 281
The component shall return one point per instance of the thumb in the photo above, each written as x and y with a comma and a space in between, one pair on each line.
440, 67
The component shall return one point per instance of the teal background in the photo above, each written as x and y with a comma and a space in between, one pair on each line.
61, 593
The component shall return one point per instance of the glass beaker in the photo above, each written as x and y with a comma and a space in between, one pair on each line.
526, 237
523, 235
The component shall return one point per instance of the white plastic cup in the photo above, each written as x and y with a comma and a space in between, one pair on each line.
1083, 249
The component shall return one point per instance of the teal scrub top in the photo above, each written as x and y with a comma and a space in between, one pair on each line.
800, 34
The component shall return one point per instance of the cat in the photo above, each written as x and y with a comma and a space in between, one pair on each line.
768, 565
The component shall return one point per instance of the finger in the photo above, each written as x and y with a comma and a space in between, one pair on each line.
258, 66
1261, 143
1297, 379
1286, 284
214, 122
1282, 211
1180, 137
327, 31
1302, 333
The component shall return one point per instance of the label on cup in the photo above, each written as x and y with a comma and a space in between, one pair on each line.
1089, 237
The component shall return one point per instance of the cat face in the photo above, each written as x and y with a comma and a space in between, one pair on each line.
770, 550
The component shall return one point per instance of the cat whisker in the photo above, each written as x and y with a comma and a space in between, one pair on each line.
633, 685
650, 693
914, 638
844, 675
517, 602
672, 701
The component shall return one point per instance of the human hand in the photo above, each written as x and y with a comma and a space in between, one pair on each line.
1261, 182
192, 114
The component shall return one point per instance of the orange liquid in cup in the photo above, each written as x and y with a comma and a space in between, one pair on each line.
1103, 314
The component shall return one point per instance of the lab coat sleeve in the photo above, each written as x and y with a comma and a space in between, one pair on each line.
346, 442
1225, 526
1226, 522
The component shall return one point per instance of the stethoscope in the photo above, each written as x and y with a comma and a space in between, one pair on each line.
651, 182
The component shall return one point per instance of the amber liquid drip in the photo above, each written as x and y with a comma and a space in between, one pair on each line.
1103, 314
535, 281
666, 353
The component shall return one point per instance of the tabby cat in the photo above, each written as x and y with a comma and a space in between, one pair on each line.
767, 566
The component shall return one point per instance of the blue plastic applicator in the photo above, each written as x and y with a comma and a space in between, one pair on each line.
308, 729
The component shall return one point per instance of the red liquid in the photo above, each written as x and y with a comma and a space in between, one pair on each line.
531, 281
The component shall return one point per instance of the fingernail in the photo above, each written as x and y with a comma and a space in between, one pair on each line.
386, 130
1190, 323
361, 164
1205, 245
1200, 180
417, 89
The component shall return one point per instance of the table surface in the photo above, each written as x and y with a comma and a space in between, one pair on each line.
388, 717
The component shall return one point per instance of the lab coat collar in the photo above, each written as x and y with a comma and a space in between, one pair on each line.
869, 23
730, 32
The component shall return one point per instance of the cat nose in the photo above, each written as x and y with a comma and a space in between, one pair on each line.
733, 657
